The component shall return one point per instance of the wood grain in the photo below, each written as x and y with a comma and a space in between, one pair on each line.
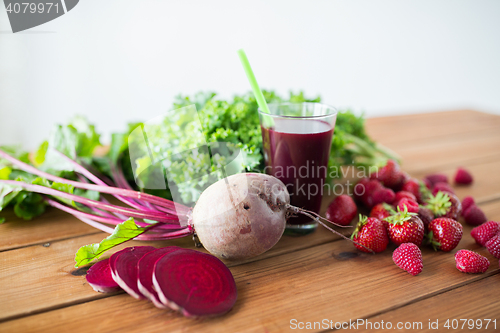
332, 281
51, 226
310, 278
43, 277
409, 130
477, 300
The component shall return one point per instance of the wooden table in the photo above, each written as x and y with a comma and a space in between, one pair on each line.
315, 278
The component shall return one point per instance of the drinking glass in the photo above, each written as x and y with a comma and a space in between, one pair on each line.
297, 139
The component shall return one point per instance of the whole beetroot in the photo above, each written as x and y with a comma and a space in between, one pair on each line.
241, 216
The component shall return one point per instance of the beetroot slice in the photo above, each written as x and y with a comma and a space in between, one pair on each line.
194, 283
145, 277
99, 277
124, 270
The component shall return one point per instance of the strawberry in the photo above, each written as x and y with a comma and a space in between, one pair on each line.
426, 216
382, 210
390, 175
409, 258
413, 186
403, 194
483, 233
443, 187
411, 206
493, 246
405, 227
381, 195
444, 205
471, 262
463, 177
444, 234
424, 192
342, 210
474, 215
436, 178
371, 233
456, 207
467, 202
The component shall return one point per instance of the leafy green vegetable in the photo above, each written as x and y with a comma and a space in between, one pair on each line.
122, 233
235, 122
5, 172
78, 139
40, 153
29, 205
7, 194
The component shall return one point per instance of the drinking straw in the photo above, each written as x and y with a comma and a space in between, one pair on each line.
261, 101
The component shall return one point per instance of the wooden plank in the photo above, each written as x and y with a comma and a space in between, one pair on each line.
339, 281
410, 129
476, 301
51, 226
476, 149
44, 277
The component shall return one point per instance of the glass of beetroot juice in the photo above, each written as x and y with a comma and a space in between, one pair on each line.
297, 139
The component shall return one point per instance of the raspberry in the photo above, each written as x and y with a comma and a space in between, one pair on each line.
483, 233
411, 206
463, 177
436, 178
412, 186
443, 187
427, 183
370, 188
474, 215
403, 194
360, 189
466, 202
426, 216
471, 262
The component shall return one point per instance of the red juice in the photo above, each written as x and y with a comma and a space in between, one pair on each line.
296, 152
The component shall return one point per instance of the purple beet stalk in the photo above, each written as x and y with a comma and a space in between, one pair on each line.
102, 214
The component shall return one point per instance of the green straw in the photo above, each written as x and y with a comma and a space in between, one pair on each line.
261, 101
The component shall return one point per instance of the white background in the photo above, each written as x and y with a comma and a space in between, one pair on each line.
118, 60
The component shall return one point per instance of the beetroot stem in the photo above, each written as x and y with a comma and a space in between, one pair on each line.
72, 211
151, 215
168, 235
142, 237
79, 168
318, 219
103, 189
